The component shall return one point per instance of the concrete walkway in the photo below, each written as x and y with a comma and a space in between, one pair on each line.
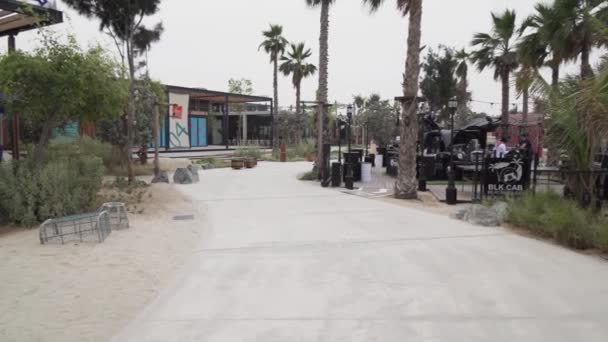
286, 260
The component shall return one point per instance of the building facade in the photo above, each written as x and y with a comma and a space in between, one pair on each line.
199, 118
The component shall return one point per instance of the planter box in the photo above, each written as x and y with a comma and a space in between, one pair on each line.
251, 163
237, 163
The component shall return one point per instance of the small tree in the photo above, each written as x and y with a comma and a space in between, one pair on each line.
123, 21
239, 86
439, 83
57, 83
295, 64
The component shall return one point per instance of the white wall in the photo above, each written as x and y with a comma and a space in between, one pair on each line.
179, 136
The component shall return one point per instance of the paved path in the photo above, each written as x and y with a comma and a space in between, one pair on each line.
286, 260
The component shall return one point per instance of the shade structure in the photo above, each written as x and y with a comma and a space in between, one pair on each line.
19, 16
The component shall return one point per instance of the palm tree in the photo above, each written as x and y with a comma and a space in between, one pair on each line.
405, 186
543, 45
462, 72
294, 64
497, 50
581, 26
322, 91
274, 44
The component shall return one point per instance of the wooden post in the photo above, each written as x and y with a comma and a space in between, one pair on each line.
156, 138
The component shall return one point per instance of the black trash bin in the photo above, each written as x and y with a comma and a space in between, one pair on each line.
353, 158
336, 175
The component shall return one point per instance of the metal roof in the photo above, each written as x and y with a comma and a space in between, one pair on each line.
216, 96
18, 16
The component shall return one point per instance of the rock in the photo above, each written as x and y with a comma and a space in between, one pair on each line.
459, 215
502, 210
210, 166
195, 177
183, 176
483, 216
162, 177
194, 168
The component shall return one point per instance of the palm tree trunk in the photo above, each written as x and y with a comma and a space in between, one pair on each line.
505, 104
275, 108
586, 70
130, 111
555, 76
405, 186
462, 97
299, 115
526, 99
323, 66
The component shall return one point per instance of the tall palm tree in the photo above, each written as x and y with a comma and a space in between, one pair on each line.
497, 50
543, 45
294, 64
405, 186
462, 72
322, 91
274, 45
581, 24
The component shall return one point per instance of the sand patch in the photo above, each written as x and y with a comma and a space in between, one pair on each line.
88, 292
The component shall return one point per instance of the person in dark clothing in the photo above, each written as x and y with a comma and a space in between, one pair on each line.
525, 146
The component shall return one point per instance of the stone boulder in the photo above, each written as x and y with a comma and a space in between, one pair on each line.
480, 215
194, 168
162, 177
184, 176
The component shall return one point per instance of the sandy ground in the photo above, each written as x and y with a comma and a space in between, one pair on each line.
87, 292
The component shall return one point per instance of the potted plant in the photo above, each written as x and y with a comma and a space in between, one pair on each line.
237, 163
250, 163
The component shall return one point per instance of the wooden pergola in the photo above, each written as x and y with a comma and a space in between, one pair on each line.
20, 16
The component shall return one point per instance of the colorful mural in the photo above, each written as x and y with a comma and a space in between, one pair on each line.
179, 136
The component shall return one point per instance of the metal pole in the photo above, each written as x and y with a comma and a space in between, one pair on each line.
272, 128
156, 131
226, 123
421, 166
451, 191
339, 141
349, 179
14, 116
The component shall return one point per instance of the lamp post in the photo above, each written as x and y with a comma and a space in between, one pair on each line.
349, 179
421, 166
340, 124
451, 193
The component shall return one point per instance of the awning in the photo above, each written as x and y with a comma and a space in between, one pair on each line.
18, 16
216, 96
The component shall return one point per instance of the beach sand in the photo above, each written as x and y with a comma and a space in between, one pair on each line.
88, 292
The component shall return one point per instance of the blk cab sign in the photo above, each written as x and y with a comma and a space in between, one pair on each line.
506, 176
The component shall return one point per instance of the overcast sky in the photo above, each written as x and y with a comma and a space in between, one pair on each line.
206, 43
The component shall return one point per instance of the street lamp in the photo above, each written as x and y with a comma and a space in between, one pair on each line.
349, 179
421, 165
341, 125
451, 193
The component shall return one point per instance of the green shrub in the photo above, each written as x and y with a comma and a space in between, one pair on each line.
110, 155
64, 186
217, 163
248, 152
310, 176
549, 215
301, 150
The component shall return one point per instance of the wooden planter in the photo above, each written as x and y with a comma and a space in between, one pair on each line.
250, 163
237, 163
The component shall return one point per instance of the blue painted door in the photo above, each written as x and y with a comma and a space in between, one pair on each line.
198, 131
